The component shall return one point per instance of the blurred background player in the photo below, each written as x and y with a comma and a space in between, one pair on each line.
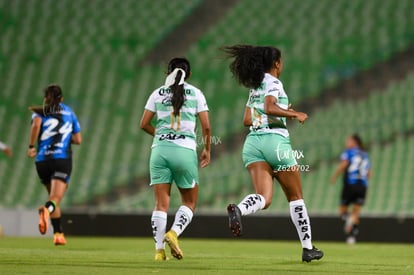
173, 155
267, 151
54, 127
6, 149
356, 169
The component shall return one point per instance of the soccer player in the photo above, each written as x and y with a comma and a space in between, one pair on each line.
54, 128
176, 104
356, 169
267, 152
6, 149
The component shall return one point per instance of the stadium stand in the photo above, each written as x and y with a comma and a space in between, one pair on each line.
91, 51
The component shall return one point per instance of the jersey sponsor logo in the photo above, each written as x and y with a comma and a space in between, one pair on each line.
273, 90
53, 152
167, 91
171, 136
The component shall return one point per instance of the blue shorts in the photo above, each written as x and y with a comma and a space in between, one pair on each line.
170, 162
268, 147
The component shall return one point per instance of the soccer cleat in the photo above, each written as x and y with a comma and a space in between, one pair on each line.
311, 254
43, 220
235, 223
160, 255
171, 239
59, 239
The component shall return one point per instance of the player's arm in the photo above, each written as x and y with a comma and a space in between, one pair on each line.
247, 117
34, 133
77, 138
339, 170
206, 132
369, 174
145, 123
271, 108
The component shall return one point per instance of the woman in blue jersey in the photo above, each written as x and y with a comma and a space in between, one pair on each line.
356, 169
54, 128
267, 152
176, 105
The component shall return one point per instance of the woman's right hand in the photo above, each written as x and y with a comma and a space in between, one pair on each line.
301, 117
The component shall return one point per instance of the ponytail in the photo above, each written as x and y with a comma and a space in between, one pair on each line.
51, 104
177, 89
178, 71
357, 138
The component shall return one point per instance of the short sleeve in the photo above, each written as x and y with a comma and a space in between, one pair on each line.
201, 103
273, 90
249, 103
344, 155
150, 105
35, 115
76, 125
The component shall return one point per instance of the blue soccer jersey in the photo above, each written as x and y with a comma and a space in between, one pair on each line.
358, 167
55, 137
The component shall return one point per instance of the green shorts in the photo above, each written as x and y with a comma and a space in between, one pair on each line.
271, 148
171, 162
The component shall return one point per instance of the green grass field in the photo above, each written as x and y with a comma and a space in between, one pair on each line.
84, 255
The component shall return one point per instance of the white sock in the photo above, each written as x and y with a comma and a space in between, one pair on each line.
300, 219
159, 224
182, 219
251, 204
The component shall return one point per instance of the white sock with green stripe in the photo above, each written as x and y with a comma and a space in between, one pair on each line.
159, 225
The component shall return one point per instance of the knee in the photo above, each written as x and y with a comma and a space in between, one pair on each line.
162, 206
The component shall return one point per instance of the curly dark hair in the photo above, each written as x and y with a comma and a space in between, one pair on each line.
251, 63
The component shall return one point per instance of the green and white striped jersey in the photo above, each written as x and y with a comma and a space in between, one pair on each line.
178, 129
261, 122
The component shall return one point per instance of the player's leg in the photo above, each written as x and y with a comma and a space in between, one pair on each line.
184, 167
352, 194
159, 218
184, 214
262, 182
261, 176
57, 191
161, 179
183, 218
290, 182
